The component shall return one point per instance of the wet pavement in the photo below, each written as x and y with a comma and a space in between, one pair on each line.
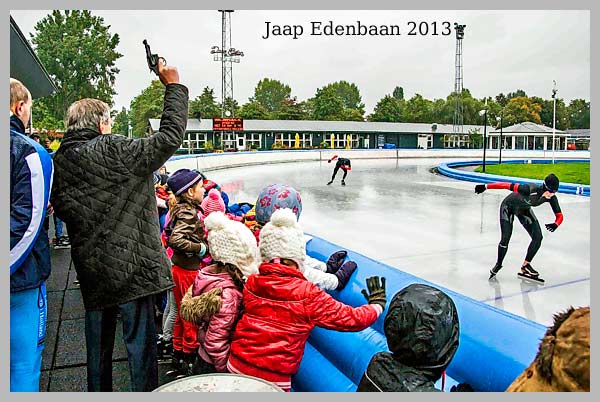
434, 227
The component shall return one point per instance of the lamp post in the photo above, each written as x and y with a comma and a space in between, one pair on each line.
554, 91
499, 118
484, 114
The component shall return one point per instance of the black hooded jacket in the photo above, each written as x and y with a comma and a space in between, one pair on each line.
103, 190
422, 332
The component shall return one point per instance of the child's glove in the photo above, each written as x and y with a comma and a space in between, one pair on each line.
376, 293
479, 188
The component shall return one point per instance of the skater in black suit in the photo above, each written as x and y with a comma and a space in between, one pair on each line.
533, 195
343, 163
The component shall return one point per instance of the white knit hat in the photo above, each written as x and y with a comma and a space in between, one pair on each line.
232, 242
282, 237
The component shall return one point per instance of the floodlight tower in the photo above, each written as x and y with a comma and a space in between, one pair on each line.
227, 55
457, 127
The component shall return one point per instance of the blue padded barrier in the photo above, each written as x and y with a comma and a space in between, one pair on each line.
495, 346
447, 169
317, 374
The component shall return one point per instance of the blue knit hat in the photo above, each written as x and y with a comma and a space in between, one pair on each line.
183, 179
274, 197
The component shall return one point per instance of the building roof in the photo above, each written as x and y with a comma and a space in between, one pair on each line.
527, 128
579, 132
330, 126
25, 65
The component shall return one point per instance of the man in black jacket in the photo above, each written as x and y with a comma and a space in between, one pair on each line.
103, 190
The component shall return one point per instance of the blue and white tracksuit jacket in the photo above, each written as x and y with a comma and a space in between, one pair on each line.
30, 183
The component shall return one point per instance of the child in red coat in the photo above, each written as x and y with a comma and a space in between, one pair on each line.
281, 307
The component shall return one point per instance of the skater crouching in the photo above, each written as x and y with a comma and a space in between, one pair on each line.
534, 195
344, 164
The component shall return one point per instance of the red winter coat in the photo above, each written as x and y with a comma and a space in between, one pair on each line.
215, 333
280, 309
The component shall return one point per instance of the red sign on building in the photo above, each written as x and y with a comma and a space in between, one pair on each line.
228, 124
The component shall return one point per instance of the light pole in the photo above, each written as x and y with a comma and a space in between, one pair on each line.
484, 114
501, 140
554, 91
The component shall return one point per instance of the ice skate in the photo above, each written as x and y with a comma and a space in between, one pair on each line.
343, 183
528, 273
330, 182
494, 271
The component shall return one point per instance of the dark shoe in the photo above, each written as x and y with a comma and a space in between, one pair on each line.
330, 182
62, 243
344, 273
495, 270
335, 261
164, 348
343, 183
528, 270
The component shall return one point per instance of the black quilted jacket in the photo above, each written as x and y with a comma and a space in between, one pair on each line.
103, 190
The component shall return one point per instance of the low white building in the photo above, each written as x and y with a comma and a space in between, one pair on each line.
528, 136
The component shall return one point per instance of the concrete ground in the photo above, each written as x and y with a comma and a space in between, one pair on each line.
398, 212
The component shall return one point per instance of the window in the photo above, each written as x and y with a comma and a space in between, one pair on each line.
340, 140
429, 141
289, 140
495, 142
194, 141
253, 140
519, 142
228, 140
538, 143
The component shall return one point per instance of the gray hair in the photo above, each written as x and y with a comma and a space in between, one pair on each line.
87, 113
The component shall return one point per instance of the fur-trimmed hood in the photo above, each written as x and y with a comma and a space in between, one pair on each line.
203, 299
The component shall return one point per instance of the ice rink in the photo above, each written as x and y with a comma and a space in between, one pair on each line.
437, 228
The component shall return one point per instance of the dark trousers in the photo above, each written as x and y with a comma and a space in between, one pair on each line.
139, 334
335, 170
531, 225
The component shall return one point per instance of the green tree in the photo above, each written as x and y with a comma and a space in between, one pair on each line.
417, 110
204, 105
147, 105
291, 110
547, 112
579, 113
519, 93
349, 94
121, 122
271, 93
442, 111
521, 109
78, 51
501, 99
388, 109
253, 110
328, 105
398, 93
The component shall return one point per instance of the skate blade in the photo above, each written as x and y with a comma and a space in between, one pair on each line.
530, 278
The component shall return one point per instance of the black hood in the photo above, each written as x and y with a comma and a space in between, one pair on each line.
422, 328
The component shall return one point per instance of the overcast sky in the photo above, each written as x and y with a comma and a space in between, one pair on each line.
502, 51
